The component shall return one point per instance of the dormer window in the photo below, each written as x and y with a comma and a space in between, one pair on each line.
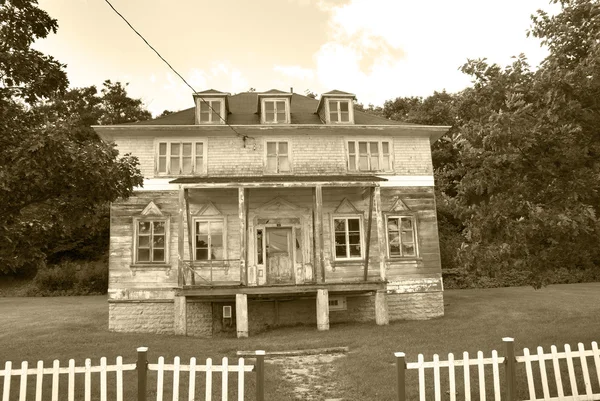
336, 107
210, 111
275, 111
211, 107
274, 107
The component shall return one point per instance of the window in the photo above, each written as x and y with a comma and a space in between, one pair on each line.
208, 244
278, 157
210, 111
275, 111
181, 158
339, 111
401, 236
348, 241
150, 241
369, 156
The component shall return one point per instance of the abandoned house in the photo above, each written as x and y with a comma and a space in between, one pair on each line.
268, 209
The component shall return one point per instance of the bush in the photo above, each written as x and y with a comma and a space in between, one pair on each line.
71, 278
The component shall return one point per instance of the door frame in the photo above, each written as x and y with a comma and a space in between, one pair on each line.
292, 251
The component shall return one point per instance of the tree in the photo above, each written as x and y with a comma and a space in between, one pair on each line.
53, 173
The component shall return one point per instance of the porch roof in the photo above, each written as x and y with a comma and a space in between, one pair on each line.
283, 180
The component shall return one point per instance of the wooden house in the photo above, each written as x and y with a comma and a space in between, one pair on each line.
268, 209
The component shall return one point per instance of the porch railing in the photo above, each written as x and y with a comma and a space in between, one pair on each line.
202, 273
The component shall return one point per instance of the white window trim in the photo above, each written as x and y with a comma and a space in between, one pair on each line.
195, 220
136, 221
357, 154
350, 111
289, 155
170, 141
263, 118
346, 216
411, 216
221, 110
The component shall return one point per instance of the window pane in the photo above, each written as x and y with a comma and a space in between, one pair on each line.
344, 106
362, 148
340, 251
143, 255
386, 163
394, 243
199, 164
284, 163
344, 116
259, 247
162, 164
386, 147
187, 149
408, 250
199, 149
202, 241
281, 117
269, 116
281, 107
354, 251
283, 148
216, 227
352, 163
354, 238
216, 253
392, 225
270, 106
204, 117
202, 227
215, 116
204, 106
175, 165
406, 224
175, 149
374, 146
374, 163
158, 241
144, 227
333, 117
159, 227
187, 165
363, 163
340, 239
271, 164
353, 224
271, 148
407, 237
144, 241
162, 149
333, 106
202, 254
339, 225
351, 147
158, 255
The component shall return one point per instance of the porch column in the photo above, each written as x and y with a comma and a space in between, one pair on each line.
369, 226
180, 243
381, 308
190, 232
380, 232
318, 234
180, 318
322, 310
243, 234
241, 315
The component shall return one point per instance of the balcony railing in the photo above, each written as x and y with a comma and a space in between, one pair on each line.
211, 273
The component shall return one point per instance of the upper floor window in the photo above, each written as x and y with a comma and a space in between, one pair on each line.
348, 237
275, 111
210, 111
401, 236
369, 156
150, 241
181, 157
278, 157
209, 239
339, 111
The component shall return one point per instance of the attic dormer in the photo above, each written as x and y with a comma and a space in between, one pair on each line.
336, 107
274, 107
211, 107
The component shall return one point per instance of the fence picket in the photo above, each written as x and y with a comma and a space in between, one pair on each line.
7, 377
584, 370
176, 363
451, 377
436, 377
71, 389
160, 378
572, 378
39, 379
421, 361
543, 375
496, 375
208, 392
224, 377
103, 378
480, 370
55, 372
192, 388
529, 371
241, 379
556, 367
23, 389
596, 359
88, 380
467, 376
119, 374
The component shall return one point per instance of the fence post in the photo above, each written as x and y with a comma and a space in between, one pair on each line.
510, 366
401, 379
260, 375
142, 372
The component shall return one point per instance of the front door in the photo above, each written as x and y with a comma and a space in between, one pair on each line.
279, 256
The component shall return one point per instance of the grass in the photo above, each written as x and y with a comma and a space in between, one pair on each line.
76, 327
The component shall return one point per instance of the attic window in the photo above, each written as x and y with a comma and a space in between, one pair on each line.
275, 111
339, 111
210, 111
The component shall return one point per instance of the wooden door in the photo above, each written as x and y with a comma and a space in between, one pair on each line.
280, 259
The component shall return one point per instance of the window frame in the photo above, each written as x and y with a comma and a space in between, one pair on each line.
357, 153
415, 236
277, 141
263, 113
220, 110
194, 156
339, 102
167, 234
361, 232
206, 219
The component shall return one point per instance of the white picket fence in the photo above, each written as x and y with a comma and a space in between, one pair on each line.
504, 388
103, 369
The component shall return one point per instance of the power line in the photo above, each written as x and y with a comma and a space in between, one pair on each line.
244, 137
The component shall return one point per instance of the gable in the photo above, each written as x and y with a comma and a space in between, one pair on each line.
347, 207
279, 205
209, 210
151, 210
399, 206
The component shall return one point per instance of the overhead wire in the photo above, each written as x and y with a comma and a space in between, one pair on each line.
243, 136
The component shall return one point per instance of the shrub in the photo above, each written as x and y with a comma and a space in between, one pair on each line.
71, 278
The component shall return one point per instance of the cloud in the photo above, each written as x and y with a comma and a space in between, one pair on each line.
294, 71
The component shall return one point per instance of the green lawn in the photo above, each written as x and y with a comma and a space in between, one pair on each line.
76, 327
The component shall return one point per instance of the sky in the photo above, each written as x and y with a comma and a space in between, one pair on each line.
376, 49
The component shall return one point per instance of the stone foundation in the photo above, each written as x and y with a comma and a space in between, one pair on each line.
415, 305
141, 316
